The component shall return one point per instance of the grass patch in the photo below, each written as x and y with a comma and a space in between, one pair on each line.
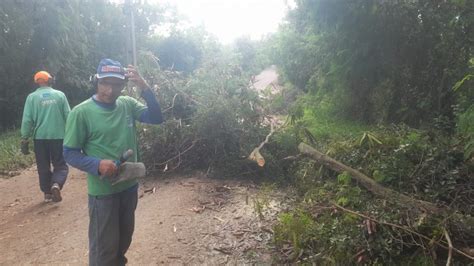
325, 125
11, 159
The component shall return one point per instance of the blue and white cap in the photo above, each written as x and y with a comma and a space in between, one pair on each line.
110, 68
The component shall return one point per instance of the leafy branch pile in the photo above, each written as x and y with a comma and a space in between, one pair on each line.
213, 120
340, 221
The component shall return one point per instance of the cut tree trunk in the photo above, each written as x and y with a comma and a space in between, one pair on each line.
461, 226
368, 182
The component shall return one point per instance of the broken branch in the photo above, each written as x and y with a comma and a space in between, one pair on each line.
366, 181
255, 154
450, 245
180, 153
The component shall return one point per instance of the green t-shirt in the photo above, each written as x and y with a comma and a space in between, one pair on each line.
45, 114
104, 133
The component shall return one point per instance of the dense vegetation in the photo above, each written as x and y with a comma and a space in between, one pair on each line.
382, 86
66, 38
383, 61
387, 90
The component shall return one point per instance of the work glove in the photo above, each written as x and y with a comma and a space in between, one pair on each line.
24, 147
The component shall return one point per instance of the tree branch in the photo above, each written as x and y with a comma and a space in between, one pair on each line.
366, 181
255, 154
450, 247
450, 252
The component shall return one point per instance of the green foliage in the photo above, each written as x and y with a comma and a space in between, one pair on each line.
297, 55
427, 163
465, 111
262, 199
378, 61
424, 164
461, 82
205, 115
369, 139
416, 162
466, 129
294, 228
178, 52
324, 124
344, 178
317, 232
11, 159
66, 38
246, 51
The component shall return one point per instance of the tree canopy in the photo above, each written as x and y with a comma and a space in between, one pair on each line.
66, 38
379, 61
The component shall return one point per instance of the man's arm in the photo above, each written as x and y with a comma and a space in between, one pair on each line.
79, 160
92, 165
27, 119
152, 115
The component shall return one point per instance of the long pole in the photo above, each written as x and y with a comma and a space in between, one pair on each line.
131, 40
134, 44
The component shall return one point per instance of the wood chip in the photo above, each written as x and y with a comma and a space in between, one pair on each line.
198, 209
219, 219
223, 250
222, 188
188, 184
238, 234
150, 190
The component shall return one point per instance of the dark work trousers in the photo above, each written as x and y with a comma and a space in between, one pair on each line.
47, 152
111, 225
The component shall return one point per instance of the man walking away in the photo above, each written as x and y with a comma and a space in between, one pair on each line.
44, 120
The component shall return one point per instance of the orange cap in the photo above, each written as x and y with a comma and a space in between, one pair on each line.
42, 76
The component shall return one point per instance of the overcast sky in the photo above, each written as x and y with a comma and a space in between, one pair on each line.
229, 19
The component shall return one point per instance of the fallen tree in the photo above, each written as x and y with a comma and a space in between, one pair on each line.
460, 223
366, 181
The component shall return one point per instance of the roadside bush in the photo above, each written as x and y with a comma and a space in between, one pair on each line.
11, 159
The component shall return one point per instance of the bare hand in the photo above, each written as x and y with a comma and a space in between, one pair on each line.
133, 75
107, 168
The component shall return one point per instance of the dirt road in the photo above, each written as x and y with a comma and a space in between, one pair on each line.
187, 220
267, 78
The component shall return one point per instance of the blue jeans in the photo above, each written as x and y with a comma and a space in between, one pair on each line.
111, 225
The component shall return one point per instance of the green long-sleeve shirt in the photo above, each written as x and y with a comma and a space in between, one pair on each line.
45, 114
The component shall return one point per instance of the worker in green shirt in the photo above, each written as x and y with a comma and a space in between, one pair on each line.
44, 119
98, 131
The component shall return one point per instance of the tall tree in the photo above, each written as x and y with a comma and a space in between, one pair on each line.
392, 61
